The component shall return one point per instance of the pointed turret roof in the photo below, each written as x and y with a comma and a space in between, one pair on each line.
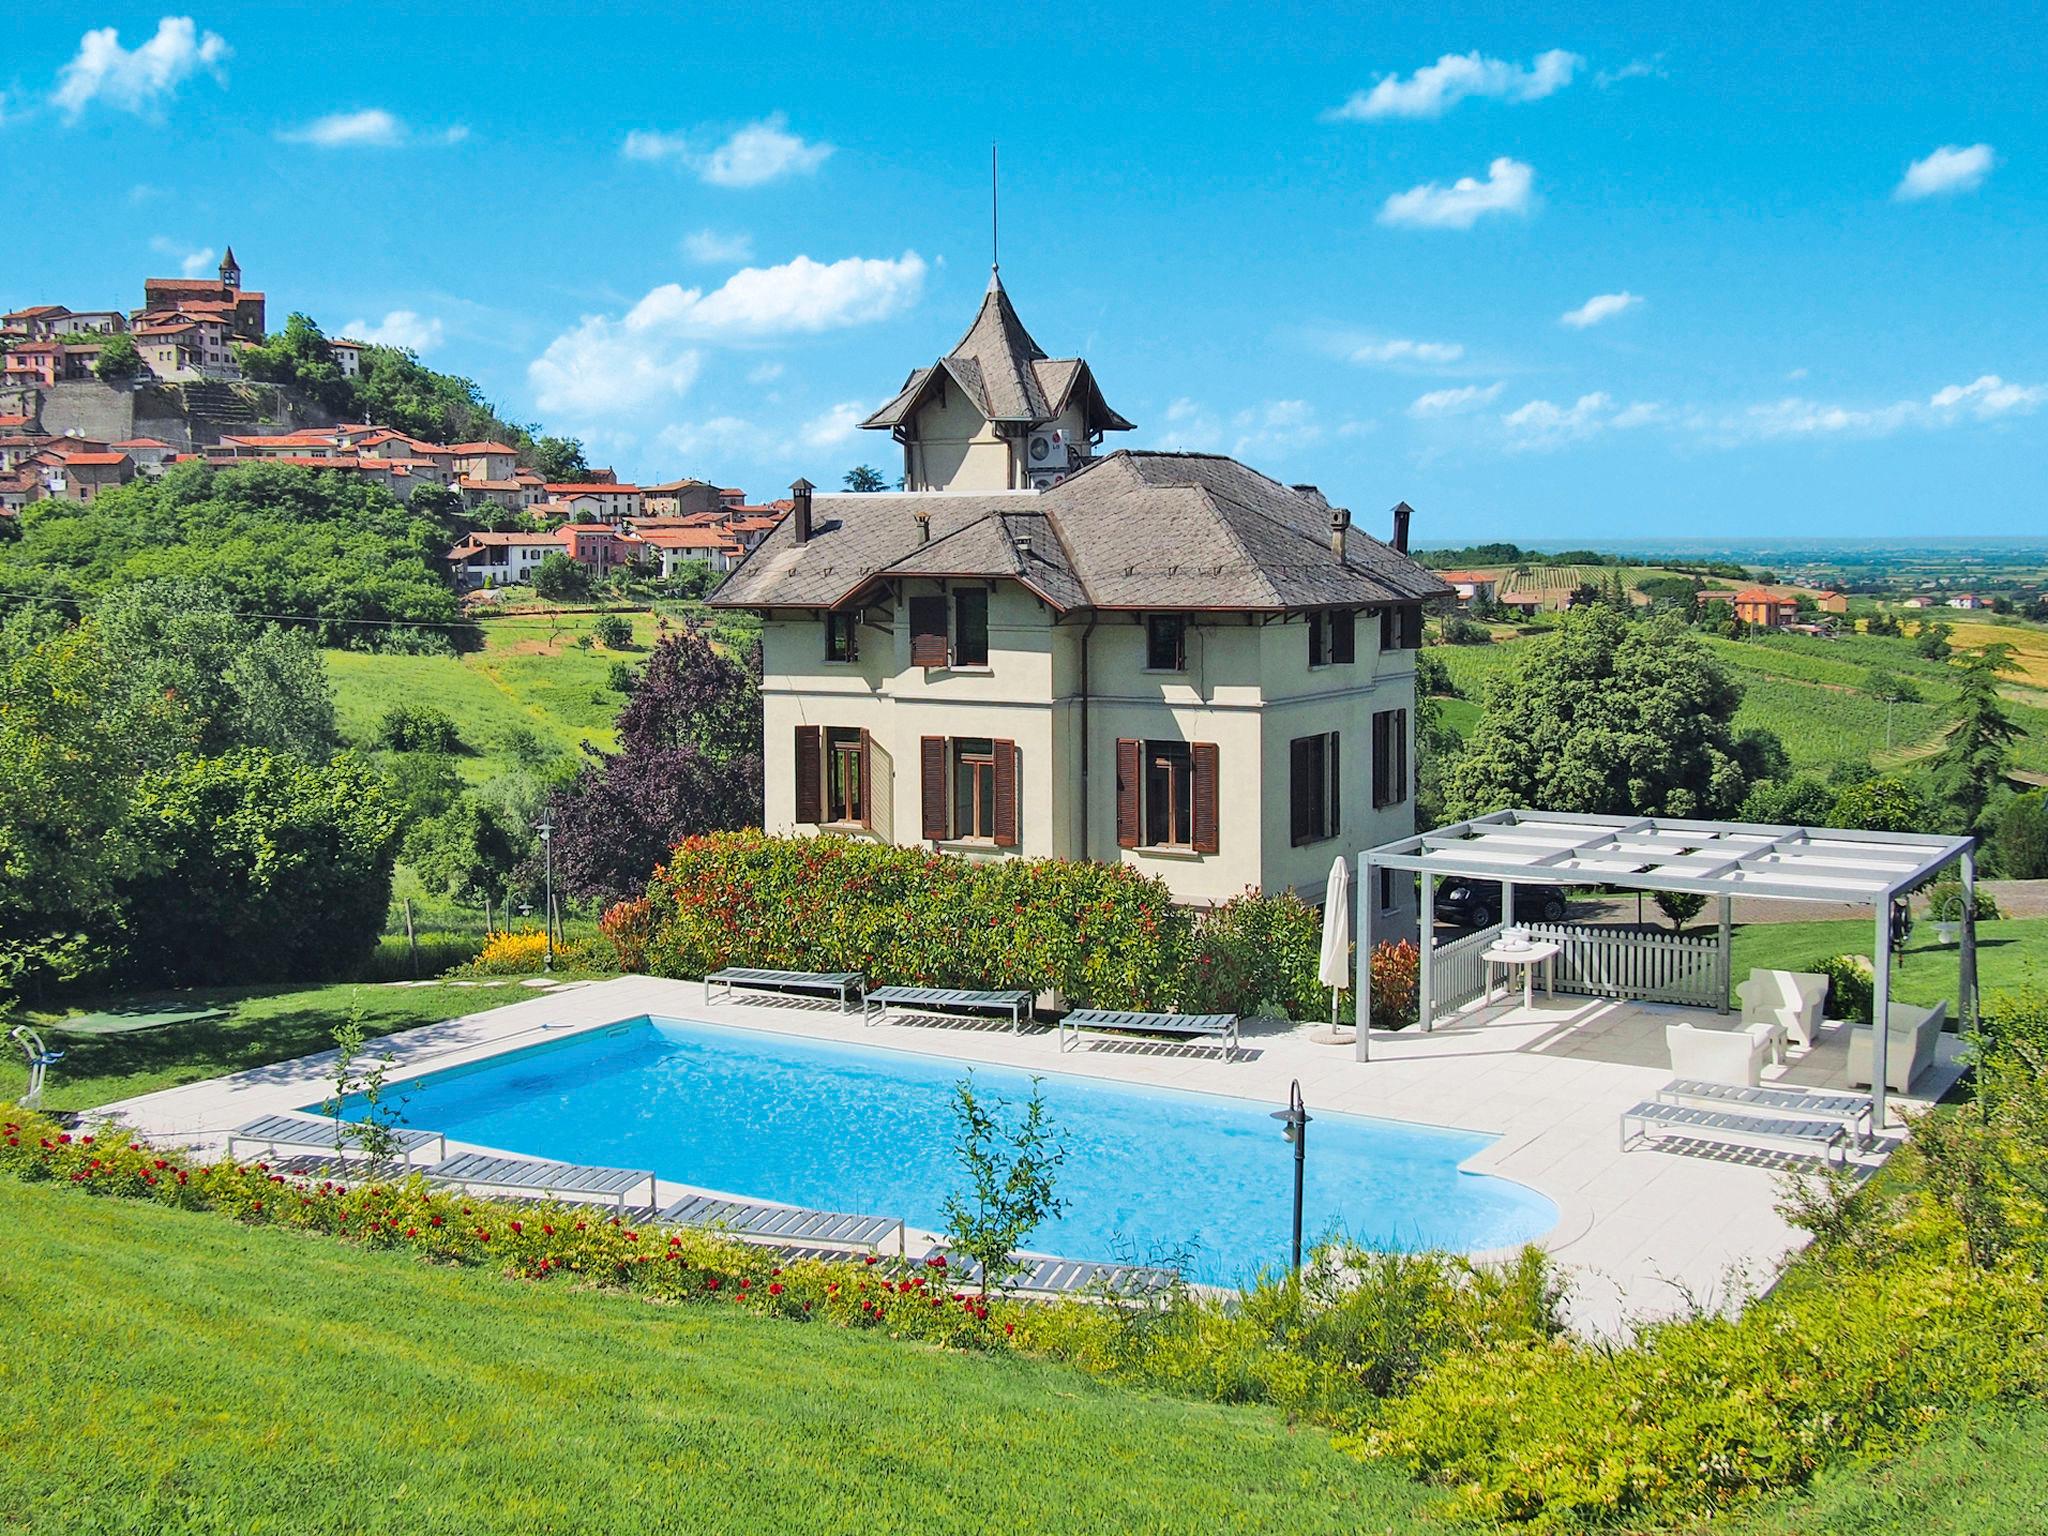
1006, 374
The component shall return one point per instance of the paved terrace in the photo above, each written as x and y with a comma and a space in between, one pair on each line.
1643, 1232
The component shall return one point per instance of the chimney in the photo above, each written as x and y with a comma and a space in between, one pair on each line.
1402, 512
1340, 524
924, 525
800, 513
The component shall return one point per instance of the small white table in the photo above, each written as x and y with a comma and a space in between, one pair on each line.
1526, 956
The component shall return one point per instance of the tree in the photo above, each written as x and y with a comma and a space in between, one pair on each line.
560, 579
1681, 907
1011, 1170
118, 359
1972, 763
1607, 717
256, 865
1932, 640
1803, 801
1436, 743
301, 357
466, 849
1678, 593
559, 460
418, 728
614, 631
1886, 804
865, 477
2020, 843
1880, 684
689, 762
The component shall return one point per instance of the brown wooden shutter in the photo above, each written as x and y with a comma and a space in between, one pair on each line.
1006, 794
867, 779
1343, 638
1336, 790
1411, 629
1301, 790
932, 751
1130, 763
1398, 731
927, 631
810, 774
1207, 832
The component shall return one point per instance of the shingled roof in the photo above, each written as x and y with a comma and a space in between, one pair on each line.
1006, 374
1133, 530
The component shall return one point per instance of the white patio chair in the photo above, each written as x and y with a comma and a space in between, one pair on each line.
1791, 998
1720, 1055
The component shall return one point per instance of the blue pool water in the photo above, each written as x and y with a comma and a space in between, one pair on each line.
1150, 1172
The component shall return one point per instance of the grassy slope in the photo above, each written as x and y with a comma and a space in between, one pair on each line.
529, 674
172, 1372
264, 1024
2009, 952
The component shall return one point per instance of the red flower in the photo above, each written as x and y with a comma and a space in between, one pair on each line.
1009, 1328
517, 1229
434, 1220
775, 1286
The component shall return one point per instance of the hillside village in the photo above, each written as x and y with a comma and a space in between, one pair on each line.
61, 367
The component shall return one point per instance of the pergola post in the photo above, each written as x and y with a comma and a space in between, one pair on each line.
1966, 979
1425, 970
1361, 1049
1727, 937
1880, 1012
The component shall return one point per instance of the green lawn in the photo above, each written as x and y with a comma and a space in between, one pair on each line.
170, 1372
2009, 952
530, 675
264, 1024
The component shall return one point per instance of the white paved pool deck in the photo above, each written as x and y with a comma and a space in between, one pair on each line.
1642, 1231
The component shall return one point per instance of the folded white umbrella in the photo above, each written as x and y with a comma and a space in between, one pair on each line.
1335, 967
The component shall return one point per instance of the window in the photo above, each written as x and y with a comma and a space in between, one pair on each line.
1332, 639
1169, 795
1166, 643
1401, 629
1312, 792
928, 632
842, 641
1387, 889
970, 628
974, 787
1389, 757
846, 790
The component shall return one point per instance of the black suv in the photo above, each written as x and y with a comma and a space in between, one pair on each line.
1476, 903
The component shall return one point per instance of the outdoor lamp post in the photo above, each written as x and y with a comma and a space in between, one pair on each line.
1294, 1127
547, 854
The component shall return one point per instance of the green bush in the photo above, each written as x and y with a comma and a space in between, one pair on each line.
418, 728
1099, 935
1945, 902
1257, 950
614, 631
1852, 987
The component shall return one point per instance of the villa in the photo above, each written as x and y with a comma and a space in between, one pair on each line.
1167, 660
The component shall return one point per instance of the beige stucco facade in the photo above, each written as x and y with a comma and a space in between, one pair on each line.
1247, 688
950, 446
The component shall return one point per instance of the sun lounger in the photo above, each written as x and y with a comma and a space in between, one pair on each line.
1700, 1122
312, 1132
1187, 1026
1039, 1276
845, 985
947, 1000
1851, 1109
481, 1170
786, 1223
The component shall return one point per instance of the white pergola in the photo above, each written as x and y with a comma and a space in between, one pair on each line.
1722, 859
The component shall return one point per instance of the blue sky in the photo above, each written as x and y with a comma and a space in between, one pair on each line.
1583, 272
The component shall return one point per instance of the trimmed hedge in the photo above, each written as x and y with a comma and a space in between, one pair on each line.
1100, 935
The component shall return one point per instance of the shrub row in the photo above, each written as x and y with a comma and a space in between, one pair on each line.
1099, 935
522, 952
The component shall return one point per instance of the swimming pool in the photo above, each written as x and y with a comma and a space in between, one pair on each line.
1150, 1172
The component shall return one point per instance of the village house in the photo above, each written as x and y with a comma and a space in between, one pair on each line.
680, 497
347, 355
148, 454
80, 475
500, 559
223, 300
675, 546
38, 322
603, 500
1079, 672
1471, 586
1967, 600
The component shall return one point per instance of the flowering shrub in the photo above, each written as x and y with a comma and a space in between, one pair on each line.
523, 951
1256, 950
1100, 935
1396, 985
629, 925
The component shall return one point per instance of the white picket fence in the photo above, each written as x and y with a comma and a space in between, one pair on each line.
1595, 962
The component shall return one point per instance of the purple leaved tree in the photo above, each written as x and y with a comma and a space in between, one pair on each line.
689, 761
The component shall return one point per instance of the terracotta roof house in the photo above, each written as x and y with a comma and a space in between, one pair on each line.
995, 413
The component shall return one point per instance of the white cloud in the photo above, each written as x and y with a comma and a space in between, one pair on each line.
750, 157
399, 328
1399, 351
1273, 428
191, 259
764, 373
717, 248
137, 79
1988, 397
833, 426
370, 128
1634, 69
651, 351
1946, 172
1507, 189
1435, 88
1454, 402
742, 437
1541, 424
1602, 306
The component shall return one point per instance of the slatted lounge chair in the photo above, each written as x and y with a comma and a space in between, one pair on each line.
786, 1224
1700, 1122
310, 1131
1040, 1276
845, 985
482, 1170
1187, 1026
947, 1000
1851, 1109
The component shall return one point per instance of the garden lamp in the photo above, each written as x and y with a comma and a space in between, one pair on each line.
547, 852
1294, 1128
